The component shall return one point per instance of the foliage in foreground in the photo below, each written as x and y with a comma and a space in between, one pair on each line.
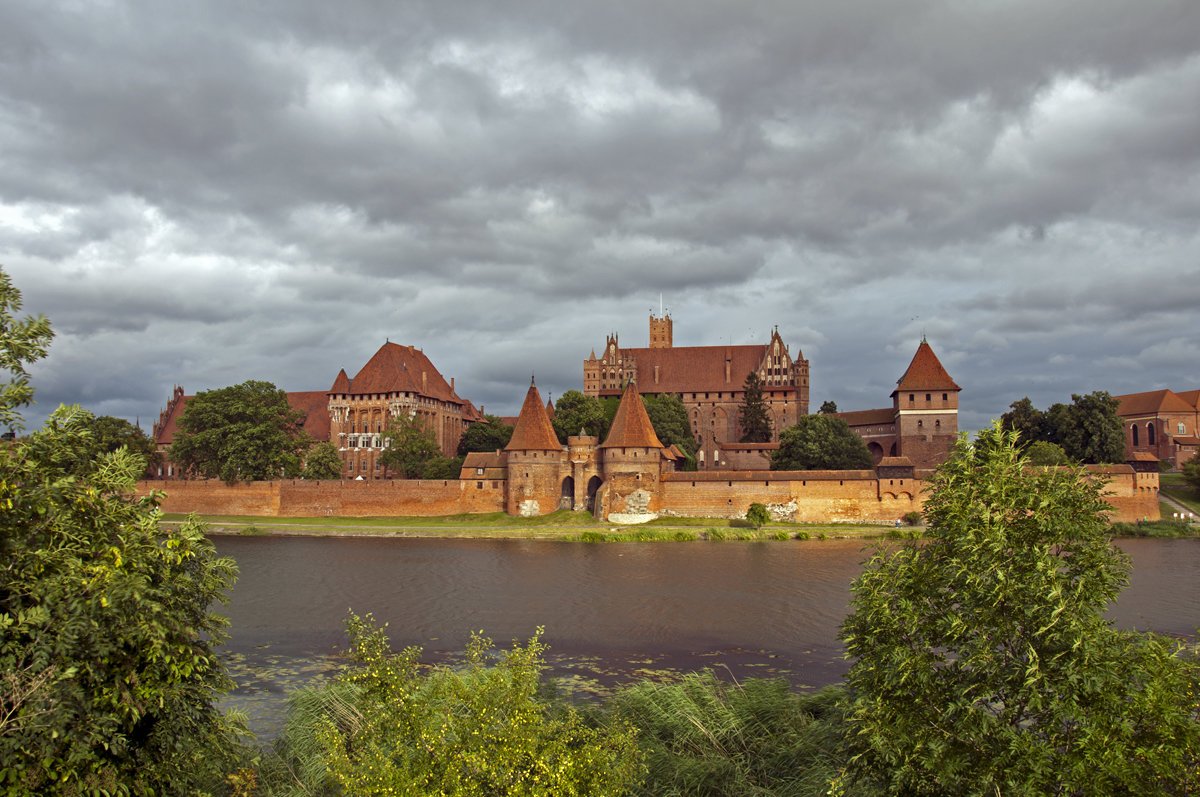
386, 728
107, 672
983, 661
706, 738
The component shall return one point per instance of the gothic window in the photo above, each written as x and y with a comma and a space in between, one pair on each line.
1180, 428
1135, 434
1150, 434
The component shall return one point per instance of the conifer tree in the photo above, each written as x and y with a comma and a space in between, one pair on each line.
753, 416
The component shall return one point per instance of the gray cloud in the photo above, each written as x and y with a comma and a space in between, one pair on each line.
206, 193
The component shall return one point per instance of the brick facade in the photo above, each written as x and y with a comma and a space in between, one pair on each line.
1161, 423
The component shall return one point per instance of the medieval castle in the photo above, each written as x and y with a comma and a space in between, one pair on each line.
629, 476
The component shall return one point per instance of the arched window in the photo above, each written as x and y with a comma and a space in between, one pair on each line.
1150, 434
1135, 434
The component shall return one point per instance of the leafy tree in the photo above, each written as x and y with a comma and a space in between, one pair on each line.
1028, 421
757, 515
245, 432
442, 468
1191, 472
489, 435
410, 445
983, 663
670, 420
387, 728
820, 442
828, 408
322, 461
24, 341
1046, 454
753, 417
1091, 430
108, 677
574, 411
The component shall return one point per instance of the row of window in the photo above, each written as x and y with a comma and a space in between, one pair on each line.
912, 397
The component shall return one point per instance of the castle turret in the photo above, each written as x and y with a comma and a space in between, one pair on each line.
631, 458
926, 405
537, 462
661, 332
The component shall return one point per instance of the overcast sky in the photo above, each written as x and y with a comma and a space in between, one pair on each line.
203, 193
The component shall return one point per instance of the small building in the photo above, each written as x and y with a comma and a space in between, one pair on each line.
1161, 423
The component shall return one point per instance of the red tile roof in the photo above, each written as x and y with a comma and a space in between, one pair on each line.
688, 369
533, 431
925, 372
1192, 397
631, 427
1153, 402
401, 369
341, 385
879, 417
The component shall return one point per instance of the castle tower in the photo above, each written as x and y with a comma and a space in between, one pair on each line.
926, 405
538, 472
631, 458
661, 332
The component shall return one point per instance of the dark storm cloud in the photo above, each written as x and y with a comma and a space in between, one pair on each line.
205, 193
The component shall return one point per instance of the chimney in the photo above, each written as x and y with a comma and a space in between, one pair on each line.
424, 383
451, 384
656, 374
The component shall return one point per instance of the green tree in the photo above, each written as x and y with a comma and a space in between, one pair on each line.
108, 676
828, 408
491, 434
409, 445
757, 515
1091, 430
1046, 454
442, 468
1191, 472
983, 663
574, 411
753, 417
1028, 421
322, 461
820, 442
245, 432
24, 341
111, 433
669, 418
389, 728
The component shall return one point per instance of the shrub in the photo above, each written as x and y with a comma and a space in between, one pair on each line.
592, 536
802, 535
384, 727
912, 518
780, 535
757, 515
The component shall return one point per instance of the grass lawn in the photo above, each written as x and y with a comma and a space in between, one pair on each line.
557, 525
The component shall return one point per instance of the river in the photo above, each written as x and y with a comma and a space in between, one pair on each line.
612, 612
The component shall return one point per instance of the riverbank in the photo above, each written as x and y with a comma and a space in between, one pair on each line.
555, 526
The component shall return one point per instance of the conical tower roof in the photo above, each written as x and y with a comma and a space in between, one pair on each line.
925, 372
341, 384
533, 431
631, 427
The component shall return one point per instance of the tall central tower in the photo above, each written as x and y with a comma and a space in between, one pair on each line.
660, 332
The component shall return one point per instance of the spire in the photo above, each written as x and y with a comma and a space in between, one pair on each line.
533, 431
925, 372
631, 427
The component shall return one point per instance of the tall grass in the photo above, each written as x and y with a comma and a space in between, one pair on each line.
706, 738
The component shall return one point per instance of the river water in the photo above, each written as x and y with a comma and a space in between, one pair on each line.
612, 612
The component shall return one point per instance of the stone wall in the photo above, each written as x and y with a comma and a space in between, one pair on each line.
799, 496
303, 498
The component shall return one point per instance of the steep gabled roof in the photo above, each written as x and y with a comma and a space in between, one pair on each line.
533, 431
925, 372
341, 385
1153, 402
1192, 397
687, 369
631, 427
402, 369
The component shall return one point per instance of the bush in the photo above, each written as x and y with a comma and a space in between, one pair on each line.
780, 535
592, 536
383, 727
956, 690
802, 535
912, 518
757, 515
